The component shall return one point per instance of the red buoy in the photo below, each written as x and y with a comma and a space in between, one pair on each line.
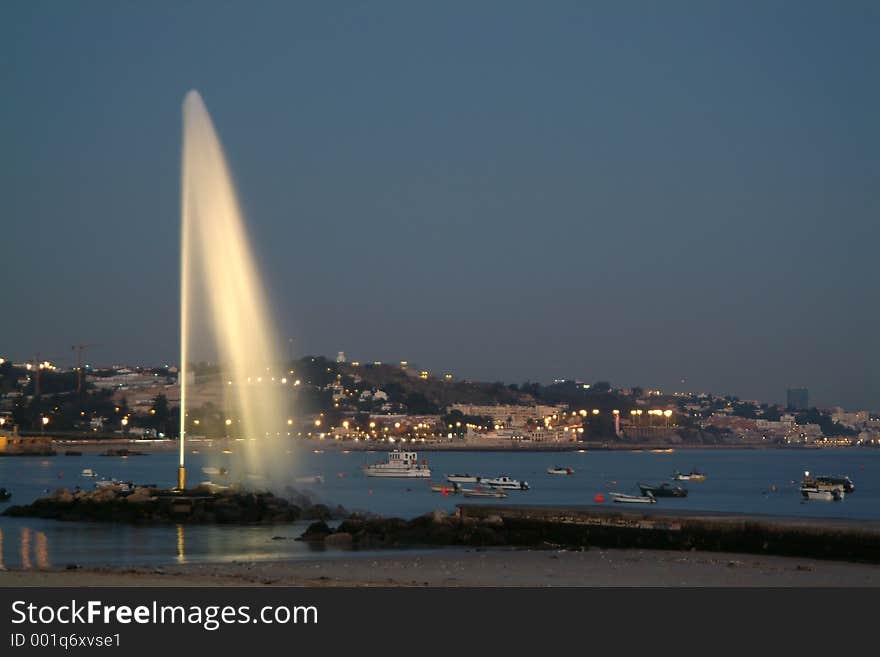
599, 498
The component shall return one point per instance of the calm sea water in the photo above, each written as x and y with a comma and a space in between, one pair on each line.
738, 480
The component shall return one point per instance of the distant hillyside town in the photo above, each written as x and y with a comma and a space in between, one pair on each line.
396, 402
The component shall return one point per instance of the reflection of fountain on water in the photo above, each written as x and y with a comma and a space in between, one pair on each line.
224, 314
181, 545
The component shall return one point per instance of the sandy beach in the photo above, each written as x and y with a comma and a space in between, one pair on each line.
483, 568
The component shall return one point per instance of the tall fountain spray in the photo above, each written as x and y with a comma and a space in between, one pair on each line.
223, 309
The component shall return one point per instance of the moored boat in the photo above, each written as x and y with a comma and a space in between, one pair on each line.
829, 482
463, 478
813, 493
477, 492
313, 479
115, 484
446, 489
4, 494
663, 490
558, 470
506, 482
693, 475
88, 472
399, 464
633, 499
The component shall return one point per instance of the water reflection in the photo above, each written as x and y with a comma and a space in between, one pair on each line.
41, 551
181, 552
26, 548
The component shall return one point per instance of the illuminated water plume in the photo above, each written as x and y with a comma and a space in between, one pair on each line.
223, 306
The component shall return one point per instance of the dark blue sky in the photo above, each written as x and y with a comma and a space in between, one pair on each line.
641, 192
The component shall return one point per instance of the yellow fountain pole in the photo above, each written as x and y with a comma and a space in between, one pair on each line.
184, 307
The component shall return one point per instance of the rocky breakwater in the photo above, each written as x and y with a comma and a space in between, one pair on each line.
439, 528
155, 505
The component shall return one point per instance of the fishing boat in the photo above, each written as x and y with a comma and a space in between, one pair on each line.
560, 471
463, 478
506, 482
88, 472
663, 490
312, 479
478, 492
399, 464
633, 499
693, 475
454, 489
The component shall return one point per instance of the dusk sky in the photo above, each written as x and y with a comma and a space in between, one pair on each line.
680, 195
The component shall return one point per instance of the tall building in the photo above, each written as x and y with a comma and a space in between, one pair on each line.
797, 399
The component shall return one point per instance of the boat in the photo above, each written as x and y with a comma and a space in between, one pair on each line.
463, 478
313, 479
4, 494
88, 472
842, 482
212, 487
647, 498
399, 464
116, 484
813, 493
693, 475
506, 482
454, 489
482, 492
560, 470
210, 470
663, 490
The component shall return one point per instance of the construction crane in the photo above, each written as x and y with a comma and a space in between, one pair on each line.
79, 348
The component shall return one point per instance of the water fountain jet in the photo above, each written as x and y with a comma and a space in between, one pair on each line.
222, 303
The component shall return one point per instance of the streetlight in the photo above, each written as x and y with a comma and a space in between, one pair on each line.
667, 414
43, 422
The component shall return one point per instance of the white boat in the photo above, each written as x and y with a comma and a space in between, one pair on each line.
400, 464
477, 492
560, 471
463, 478
211, 486
813, 493
313, 479
210, 470
115, 484
505, 482
88, 472
633, 499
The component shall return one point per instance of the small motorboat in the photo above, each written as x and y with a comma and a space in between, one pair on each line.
560, 471
88, 472
813, 493
312, 479
828, 482
115, 484
506, 482
663, 490
483, 492
446, 489
4, 494
693, 475
210, 470
463, 478
633, 499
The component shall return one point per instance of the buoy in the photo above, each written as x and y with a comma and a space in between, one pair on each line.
340, 475
599, 498
773, 488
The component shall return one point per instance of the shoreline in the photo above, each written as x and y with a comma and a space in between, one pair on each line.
97, 445
475, 567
